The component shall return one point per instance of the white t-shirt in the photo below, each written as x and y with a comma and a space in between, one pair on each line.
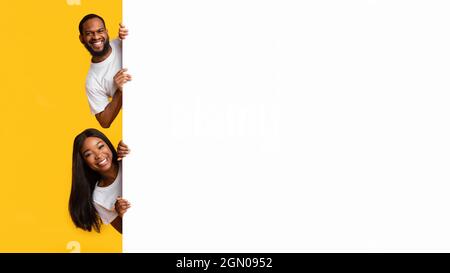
100, 78
105, 198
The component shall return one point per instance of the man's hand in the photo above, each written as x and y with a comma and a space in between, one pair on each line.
123, 31
122, 206
121, 78
122, 150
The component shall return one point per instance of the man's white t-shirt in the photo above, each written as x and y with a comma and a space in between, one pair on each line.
100, 78
105, 198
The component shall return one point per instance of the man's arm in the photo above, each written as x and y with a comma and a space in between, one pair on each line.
107, 116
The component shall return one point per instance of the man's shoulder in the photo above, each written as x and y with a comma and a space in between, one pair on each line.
92, 79
116, 44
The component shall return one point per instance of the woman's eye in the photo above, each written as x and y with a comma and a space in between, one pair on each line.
101, 146
87, 155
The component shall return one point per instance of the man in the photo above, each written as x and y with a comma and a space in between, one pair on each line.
106, 77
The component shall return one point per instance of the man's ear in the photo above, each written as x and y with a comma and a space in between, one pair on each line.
81, 39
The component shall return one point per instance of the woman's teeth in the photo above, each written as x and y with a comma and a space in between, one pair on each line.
102, 163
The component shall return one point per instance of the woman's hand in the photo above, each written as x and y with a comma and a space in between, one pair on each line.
122, 206
122, 150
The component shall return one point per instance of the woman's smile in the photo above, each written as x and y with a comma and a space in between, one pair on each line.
97, 154
103, 162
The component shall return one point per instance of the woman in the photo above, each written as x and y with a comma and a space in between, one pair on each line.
97, 182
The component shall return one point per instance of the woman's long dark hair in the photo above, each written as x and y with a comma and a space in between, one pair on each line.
84, 179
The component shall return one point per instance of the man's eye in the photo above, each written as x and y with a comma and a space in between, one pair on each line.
101, 31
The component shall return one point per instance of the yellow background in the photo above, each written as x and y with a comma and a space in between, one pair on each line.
43, 106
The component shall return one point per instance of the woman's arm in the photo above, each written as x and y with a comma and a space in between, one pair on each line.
122, 150
122, 205
117, 224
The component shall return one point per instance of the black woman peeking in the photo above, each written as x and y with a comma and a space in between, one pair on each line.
96, 192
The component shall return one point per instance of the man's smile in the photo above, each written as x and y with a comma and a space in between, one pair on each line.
97, 45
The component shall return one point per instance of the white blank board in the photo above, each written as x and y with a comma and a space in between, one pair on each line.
287, 126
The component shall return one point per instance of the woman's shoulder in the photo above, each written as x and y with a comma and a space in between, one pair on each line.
104, 199
117, 183
106, 196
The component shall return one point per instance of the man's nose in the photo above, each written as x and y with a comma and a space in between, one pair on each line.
96, 35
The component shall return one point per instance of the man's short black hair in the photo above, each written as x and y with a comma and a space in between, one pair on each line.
88, 17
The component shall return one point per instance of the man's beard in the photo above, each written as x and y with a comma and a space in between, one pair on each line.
106, 47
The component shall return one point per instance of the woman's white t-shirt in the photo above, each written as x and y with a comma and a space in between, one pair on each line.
105, 198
